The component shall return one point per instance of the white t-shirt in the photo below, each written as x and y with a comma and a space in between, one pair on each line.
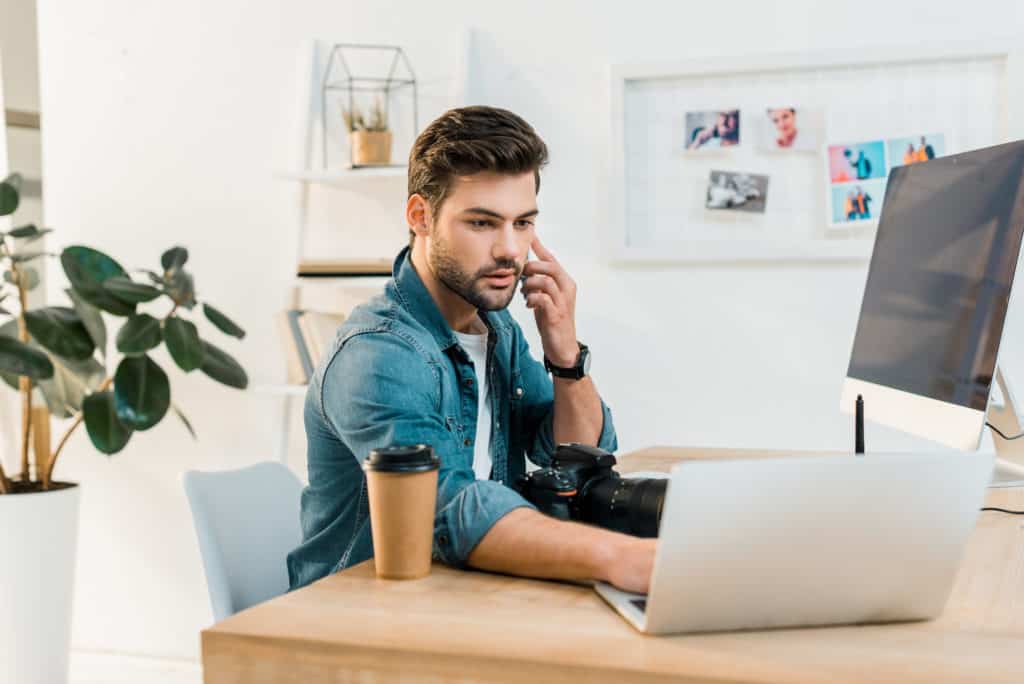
476, 347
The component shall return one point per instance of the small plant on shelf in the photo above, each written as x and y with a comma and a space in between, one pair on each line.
369, 136
59, 353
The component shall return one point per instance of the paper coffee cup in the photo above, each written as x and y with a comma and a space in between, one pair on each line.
402, 484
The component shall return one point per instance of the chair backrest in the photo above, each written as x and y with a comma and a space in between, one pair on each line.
247, 521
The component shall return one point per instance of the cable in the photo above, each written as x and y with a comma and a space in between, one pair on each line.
1002, 510
1000, 432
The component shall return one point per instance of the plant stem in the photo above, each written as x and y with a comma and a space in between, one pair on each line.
5, 484
48, 474
24, 382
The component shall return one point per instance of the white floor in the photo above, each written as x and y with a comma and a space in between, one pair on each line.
109, 668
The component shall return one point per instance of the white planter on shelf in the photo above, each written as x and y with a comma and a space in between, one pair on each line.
39, 539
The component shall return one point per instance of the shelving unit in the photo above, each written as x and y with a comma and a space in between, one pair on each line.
305, 172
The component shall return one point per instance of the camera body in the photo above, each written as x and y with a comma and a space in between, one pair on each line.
580, 484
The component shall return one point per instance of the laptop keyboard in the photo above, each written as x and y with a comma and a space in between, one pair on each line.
640, 603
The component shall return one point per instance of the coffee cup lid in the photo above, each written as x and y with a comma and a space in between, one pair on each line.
416, 458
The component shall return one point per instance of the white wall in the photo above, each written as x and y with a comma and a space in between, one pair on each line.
164, 122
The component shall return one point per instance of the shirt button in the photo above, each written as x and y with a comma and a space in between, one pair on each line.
442, 539
467, 442
519, 391
469, 382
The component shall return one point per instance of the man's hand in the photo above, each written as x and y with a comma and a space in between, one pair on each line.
632, 564
551, 293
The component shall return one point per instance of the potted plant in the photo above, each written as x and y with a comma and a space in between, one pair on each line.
369, 137
56, 356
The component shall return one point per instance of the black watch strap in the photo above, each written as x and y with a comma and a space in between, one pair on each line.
575, 372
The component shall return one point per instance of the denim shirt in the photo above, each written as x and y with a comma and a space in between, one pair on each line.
395, 374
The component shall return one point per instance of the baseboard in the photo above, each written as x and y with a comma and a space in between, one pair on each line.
100, 667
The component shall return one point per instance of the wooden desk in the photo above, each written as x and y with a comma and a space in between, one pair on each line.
470, 626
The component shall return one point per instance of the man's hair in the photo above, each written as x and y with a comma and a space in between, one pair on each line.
469, 140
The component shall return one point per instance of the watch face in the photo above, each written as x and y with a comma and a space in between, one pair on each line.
586, 363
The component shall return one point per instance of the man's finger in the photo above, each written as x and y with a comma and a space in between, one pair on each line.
541, 251
539, 300
542, 283
547, 268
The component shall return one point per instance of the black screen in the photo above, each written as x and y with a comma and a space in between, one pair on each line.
940, 276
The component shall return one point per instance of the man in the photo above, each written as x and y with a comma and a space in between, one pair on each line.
437, 359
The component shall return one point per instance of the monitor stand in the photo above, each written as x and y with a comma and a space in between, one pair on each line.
1009, 469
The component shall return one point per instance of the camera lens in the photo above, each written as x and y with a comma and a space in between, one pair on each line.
629, 505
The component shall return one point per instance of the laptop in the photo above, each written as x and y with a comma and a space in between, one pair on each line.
794, 542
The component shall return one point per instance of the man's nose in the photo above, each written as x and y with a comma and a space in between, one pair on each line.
507, 245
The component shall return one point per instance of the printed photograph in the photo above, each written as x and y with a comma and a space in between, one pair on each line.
851, 202
797, 129
733, 191
856, 161
712, 129
916, 148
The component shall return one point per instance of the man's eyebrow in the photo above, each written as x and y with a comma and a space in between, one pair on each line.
494, 214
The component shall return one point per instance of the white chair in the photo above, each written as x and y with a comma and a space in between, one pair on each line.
247, 521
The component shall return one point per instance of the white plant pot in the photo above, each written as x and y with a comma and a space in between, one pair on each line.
39, 538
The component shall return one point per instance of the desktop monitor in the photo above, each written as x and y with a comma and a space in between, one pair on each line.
938, 287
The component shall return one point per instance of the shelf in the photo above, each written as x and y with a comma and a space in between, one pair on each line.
338, 268
344, 175
281, 389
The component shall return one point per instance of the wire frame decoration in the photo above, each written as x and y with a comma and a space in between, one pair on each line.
357, 73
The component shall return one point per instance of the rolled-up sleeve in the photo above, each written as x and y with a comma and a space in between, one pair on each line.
380, 391
539, 411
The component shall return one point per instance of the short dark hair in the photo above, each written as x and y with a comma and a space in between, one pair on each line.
469, 140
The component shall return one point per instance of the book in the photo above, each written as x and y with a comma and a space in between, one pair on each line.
300, 343
296, 374
335, 295
318, 331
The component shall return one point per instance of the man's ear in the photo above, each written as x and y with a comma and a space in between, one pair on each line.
417, 215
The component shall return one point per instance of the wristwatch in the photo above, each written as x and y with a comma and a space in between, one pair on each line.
574, 372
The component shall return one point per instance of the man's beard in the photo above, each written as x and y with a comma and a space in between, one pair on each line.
471, 287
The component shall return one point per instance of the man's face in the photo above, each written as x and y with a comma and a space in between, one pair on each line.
480, 238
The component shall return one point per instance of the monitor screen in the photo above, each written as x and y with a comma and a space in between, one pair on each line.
940, 276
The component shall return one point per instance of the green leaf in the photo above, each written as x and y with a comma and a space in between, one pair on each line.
18, 358
71, 383
142, 393
127, 290
9, 196
174, 258
29, 278
29, 233
87, 269
223, 323
181, 289
27, 256
108, 434
183, 343
60, 330
221, 367
92, 319
139, 334
184, 420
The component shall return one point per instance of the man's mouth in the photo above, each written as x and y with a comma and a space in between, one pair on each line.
501, 278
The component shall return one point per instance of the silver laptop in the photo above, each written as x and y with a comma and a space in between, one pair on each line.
787, 542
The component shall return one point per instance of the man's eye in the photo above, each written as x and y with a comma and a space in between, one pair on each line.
524, 224
479, 223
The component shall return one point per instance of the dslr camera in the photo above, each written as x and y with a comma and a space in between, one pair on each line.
581, 485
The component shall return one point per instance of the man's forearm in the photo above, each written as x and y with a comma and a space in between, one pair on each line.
531, 544
578, 416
